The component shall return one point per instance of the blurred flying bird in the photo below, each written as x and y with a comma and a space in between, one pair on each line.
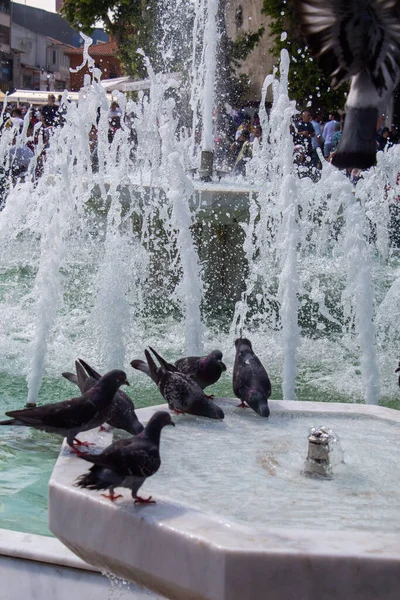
127, 462
122, 414
251, 383
357, 39
181, 392
70, 417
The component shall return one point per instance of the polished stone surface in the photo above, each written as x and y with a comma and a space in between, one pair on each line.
34, 567
186, 554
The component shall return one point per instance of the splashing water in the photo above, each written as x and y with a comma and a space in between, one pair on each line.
100, 254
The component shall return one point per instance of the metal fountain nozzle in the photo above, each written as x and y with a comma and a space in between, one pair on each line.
318, 461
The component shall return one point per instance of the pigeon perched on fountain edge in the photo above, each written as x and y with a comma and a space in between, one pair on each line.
251, 383
357, 40
127, 462
70, 417
205, 370
122, 414
181, 392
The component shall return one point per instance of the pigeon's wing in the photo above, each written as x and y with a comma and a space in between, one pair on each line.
188, 364
134, 457
349, 37
250, 373
66, 415
71, 377
89, 370
84, 381
168, 366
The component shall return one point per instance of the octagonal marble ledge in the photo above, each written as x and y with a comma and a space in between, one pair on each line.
187, 555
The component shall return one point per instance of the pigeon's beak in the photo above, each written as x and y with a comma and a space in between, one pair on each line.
171, 423
222, 365
126, 382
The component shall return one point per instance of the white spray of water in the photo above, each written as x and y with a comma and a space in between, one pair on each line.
210, 43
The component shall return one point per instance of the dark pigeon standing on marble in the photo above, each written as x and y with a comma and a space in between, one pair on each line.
359, 41
123, 414
251, 383
398, 371
127, 462
205, 370
181, 392
70, 417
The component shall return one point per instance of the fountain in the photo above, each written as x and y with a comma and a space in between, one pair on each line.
116, 247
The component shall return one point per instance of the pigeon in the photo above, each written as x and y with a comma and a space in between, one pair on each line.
357, 40
70, 417
205, 370
127, 462
251, 383
397, 371
123, 414
181, 392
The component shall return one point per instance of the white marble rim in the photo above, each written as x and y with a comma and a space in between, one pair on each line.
39, 548
222, 533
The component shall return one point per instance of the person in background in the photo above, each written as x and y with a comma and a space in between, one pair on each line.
328, 132
50, 115
114, 120
304, 133
382, 138
316, 140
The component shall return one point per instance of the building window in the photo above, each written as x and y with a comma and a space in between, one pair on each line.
239, 17
54, 57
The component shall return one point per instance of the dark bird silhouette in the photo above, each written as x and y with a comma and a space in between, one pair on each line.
205, 370
122, 414
251, 383
357, 40
397, 371
181, 392
127, 462
70, 417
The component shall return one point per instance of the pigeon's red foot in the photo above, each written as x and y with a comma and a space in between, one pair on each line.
79, 443
102, 428
139, 500
242, 405
211, 396
76, 451
111, 496
178, 412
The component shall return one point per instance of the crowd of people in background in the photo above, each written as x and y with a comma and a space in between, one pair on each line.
237, 133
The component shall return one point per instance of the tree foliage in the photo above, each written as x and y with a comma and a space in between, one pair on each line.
163, 35
306, 82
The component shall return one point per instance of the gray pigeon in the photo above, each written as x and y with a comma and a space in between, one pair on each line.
123, 414
205, 370
251, 383
127, 462
70, 417
181, 392
361, 41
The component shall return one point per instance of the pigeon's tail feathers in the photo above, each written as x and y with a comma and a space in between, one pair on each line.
140, 365
70, 377
153, 371
357, 147
95, 479
81, 375
168, 366
89, 370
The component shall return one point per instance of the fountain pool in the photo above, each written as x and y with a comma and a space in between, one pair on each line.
236, 519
